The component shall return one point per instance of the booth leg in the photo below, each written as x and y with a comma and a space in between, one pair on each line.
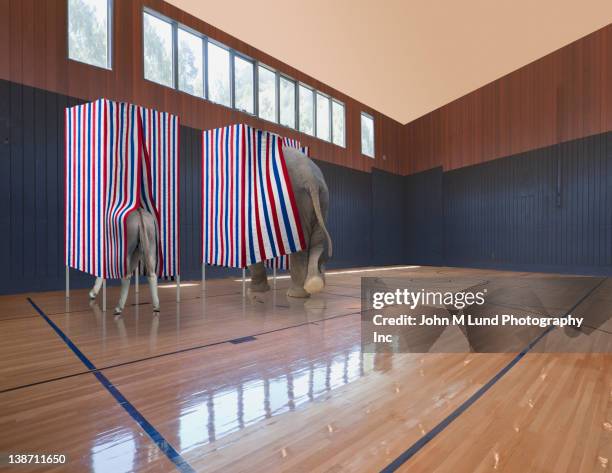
274, 277
203, 276
67, 282
243, 282
178, 288
136, 281
104, 295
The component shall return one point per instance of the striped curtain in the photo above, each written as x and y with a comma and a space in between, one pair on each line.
281, 263
109, 172
249, 212
161, 140
296, 144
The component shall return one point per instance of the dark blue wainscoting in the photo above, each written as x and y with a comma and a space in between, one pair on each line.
388, 218
350, 215
423, 211
549, 209
32, 189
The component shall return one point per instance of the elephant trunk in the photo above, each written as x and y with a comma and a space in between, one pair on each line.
316, 204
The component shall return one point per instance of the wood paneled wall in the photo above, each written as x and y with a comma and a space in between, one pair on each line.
560, 97
33, 51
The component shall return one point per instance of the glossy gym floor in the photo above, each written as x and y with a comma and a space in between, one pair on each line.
222, 382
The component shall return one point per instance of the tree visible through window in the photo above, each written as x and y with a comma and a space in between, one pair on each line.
338, 123
158, 66
190, 63
287, 102
367, 135
88, 27
306, 101
323, 111
218, 74
243, 84
267, 94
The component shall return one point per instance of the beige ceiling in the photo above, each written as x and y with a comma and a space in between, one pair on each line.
405, 58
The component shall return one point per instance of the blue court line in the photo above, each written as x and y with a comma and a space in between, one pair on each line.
175, 457
429, 436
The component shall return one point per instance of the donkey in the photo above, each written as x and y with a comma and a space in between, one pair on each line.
142, 243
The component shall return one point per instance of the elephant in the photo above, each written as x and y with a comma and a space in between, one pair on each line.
307, 267
142, 246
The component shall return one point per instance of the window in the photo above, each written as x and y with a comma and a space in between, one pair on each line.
243, 85
306, 107
338, 123
323, 111
89, 28
367, 135
158, 63
190, 63
218, 74
287, 102
267, 93
179, 57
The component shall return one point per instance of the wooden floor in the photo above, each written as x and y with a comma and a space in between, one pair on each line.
299, 396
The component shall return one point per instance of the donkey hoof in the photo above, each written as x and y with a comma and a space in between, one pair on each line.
314, 284
117, 311
156, 309
92, 295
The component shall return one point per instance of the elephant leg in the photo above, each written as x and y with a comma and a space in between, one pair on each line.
96, 288
125, 288
298, 267
154, 296
259, 278
314, 278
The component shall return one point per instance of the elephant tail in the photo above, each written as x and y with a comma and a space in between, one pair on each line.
316, 204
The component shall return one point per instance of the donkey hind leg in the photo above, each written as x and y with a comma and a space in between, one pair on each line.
148, 252
125, 281
125, 288
154, 296
96, 288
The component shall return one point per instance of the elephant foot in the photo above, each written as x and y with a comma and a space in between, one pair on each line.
314, 284
297, 292
259, 287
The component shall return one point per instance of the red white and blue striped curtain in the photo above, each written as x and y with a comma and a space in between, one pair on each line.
109, 173
293, 143
249, 212
281, 263
161, 140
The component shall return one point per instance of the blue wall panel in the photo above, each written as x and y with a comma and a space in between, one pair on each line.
548, 209
423, 210
350, 215
388, 218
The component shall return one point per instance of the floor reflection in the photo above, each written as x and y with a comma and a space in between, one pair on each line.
114, 452
213, 415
